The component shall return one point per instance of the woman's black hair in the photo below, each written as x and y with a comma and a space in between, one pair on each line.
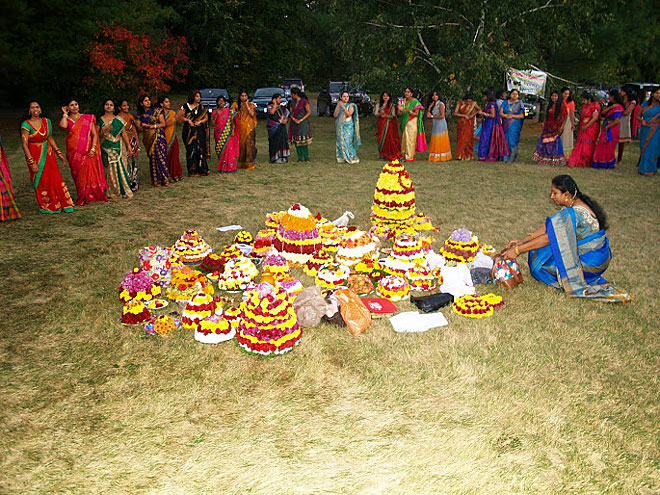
501, 94
558, 104
69, 100
588, 96
219, 97
27, 115
565, 183
653, 90
490, 94
381, 102
468, 96
121, 102
616, 94
161, 99
191, 95
276, 95
342, 93
570, 94
114, 103
241, 91
417, 94
297, 91
631, 94
140, 107
430, 99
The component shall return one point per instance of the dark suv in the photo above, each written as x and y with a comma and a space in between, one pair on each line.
328, 98
210, 95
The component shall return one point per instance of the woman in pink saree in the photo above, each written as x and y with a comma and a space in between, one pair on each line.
226, 136
82, 142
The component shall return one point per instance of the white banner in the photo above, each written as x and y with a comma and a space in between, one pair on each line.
530, 82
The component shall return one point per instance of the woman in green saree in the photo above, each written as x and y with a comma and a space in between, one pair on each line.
411, 126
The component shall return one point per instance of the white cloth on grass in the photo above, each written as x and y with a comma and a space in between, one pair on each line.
412, 321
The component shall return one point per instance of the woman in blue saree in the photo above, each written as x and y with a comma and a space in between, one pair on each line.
571, 251
649, 135
513, 116
347, 125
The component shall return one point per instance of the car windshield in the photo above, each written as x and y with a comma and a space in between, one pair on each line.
267, 92
213, 93
336, 87
292, 82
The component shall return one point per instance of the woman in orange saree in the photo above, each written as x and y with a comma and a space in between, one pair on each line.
40, 150
466, 110
247, 125
82, 144
176, 172
133, 148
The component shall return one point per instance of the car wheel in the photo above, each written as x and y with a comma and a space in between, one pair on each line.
321, 108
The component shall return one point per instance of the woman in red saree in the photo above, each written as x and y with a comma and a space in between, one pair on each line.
225, 132
583, 153
176, 172
605, 153
82, 143
8, 207
389, 144
40, 150
466, 110
549, 149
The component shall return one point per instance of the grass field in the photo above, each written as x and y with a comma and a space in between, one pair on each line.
550, 396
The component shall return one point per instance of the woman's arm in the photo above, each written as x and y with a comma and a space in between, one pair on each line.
203, 120
441, 106
612, 124
25, 134
414, 112
629, 109
58, 152
532, 235
308, 112
180, 116
592, 120
456, 112
95, 141
64, 120
349, 110
429, 115
523, 247
250, 109
127, 142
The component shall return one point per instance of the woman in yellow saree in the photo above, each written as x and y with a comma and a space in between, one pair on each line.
411, 126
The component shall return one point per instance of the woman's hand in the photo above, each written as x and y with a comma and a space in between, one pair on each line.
58, 152
509, 254
32, 165
511, 244
91, 152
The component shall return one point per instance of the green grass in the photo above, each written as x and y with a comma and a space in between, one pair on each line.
550, 395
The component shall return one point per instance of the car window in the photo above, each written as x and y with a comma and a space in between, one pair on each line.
335, 87
266, 92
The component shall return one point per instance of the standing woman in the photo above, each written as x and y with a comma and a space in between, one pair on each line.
8, 207
152, 122
176, 172
278, 140
513, 116
387, 133
82, 141
134, 149
604, 156
492, 142
625, 129
465, 111
440, 149
225, 132
247, 133
194, 117
569, 125
411, 126
40, 150
114, 151
549, 149
347, 127
649, 135
300, 130
583, 154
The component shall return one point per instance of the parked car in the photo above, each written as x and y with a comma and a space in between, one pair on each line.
210, 95
328, 98
289, 82
531, 107
263, 96
643, 87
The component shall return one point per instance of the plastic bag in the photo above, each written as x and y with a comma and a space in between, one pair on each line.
432, 302
481, 275
355, 314
332, 313
506, 273
310, 306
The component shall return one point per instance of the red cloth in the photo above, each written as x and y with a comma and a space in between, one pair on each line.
87, 172
176, 172
389, 145
583, 152
465, 141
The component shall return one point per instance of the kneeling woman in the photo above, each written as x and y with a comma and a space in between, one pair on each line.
571, 252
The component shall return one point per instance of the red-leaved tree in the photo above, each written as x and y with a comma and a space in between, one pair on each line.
124, 61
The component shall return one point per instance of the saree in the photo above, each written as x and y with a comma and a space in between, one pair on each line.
549, 148
636, 124
195, 140
512, 128
134, 145
278, 140
439, 149
649, 140
605, 152
114, 158
156, 146
52, 193
411, 129
300, 135
8, 208
348, 135
492, 142
387, 133
87, 172
247, 136
226, 139
567, 132
583, 153
465, 131
576, 258
176, 172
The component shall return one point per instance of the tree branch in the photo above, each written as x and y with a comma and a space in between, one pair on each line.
400, 26
546, 5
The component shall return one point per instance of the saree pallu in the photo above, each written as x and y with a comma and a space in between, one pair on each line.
114, 158
278, 140
52, 193
636, 124
387, 133
605, 152
247, 136
8, 208
440, 149
583, 153
413, 135
173, 162
348, 135
567, 132
649, 140
465, 132
226, 139
156, 146
134, 144
195, 140
87, 172
574, 263
512, 128
549, 148
300, 134
492, 142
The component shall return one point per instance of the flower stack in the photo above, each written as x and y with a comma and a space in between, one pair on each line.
394, 199
297, 237
461, 247
201, 306
138, 285
185, 282
156, 262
